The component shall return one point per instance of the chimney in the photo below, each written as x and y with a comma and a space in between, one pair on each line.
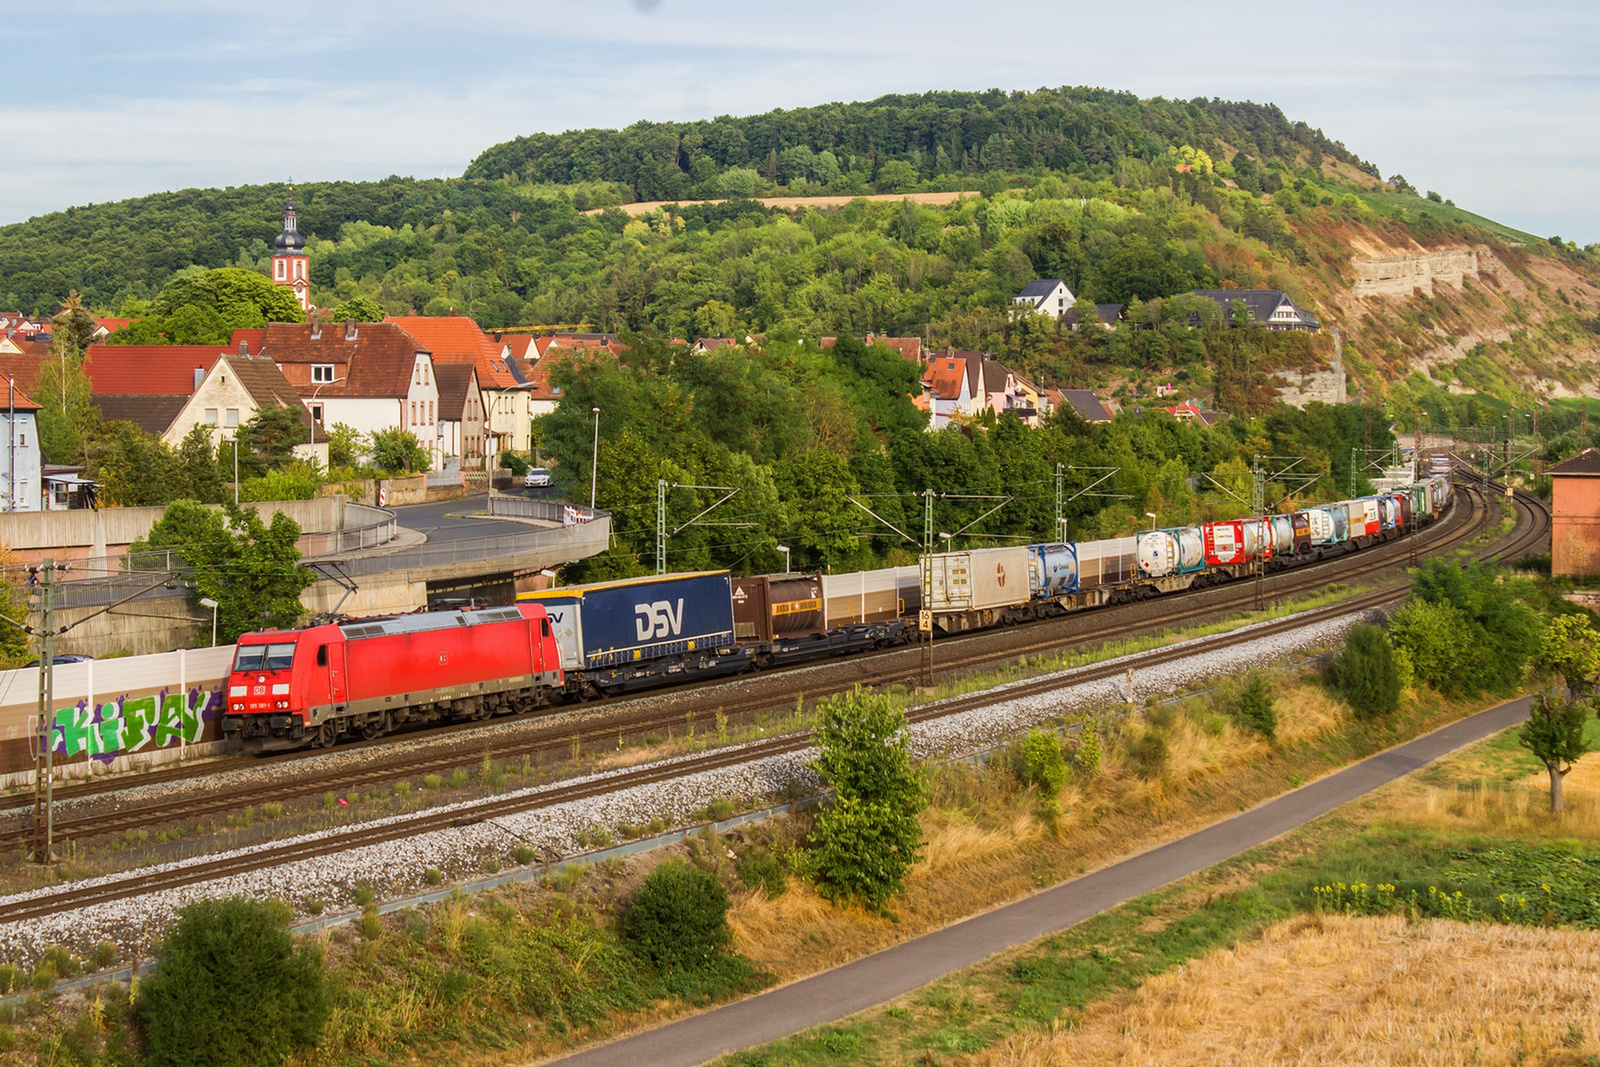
199, 376
244, 348
349, 329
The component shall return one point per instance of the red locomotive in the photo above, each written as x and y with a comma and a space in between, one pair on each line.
290, 688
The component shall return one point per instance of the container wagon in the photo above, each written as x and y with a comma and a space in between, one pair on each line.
979, 587
640, 632
783, 618
294, 688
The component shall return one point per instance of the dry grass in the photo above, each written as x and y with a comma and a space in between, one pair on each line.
988, 841
1331, 989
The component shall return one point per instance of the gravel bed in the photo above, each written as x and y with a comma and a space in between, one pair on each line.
398, 868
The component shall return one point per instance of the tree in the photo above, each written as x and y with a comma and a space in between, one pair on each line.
396, 450
1570, 647
1366, 672
220, 956
1554, 734
267, 440
197, 461
199, 306
135, 469
679, 917
346, 445
67, 416
250, 568
359, 308
866, 841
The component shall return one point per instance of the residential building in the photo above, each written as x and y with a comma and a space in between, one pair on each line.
370, 376
967, 384
1270, 308
1089, 407
909, 347
458, 339
1575, 515
1108, 314
1191, 412
104, 328
1047, 296
290, 264
21, 463
461, 434
147, 385
18, 345
233, 391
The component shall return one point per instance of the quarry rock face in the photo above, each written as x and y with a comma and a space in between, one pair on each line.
1400, 275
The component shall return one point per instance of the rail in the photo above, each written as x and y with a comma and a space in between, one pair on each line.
510, 506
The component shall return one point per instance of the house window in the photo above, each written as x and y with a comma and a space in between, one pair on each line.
321, 372
316, 412
210, 418
233, 417
430, 411
413, 412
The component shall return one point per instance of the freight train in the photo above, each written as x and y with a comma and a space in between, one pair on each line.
366, 677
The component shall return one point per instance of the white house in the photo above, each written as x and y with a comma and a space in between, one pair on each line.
20, 462
370, 376
1047, 296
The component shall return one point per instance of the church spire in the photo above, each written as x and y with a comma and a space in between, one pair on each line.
290, 264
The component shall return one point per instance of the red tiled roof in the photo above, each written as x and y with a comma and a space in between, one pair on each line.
112, 325
147, 370
377, 362
458, 339
251, 338
24, 370
946, 381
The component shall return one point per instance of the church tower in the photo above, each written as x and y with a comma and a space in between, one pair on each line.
290, 264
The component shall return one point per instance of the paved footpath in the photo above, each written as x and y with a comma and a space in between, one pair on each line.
882, 976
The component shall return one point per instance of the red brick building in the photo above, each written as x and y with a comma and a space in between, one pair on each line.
1575, 515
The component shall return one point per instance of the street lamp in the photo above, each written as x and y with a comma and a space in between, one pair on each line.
1152, 517
594, 458
207, 602
785, 550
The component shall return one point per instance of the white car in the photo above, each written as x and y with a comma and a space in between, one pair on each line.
536, 478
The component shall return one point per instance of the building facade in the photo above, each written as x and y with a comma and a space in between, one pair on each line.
1575, 515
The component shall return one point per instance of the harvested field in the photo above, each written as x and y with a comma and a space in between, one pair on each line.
1334, 989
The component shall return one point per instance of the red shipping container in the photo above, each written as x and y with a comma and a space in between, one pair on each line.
1225, 543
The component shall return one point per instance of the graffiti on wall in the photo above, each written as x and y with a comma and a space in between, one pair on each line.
131, 724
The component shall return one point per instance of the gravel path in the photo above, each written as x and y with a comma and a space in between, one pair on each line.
399, 868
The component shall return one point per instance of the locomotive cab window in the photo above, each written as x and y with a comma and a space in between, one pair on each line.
264, 657
322, 655
544, 627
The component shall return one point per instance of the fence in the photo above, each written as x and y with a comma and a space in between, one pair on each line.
521, 507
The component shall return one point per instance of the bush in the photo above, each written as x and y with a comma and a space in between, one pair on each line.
1086, 760
865, 842
1367, 674
231, 987
679, 917
1037, 761
1256, 708
1148, 754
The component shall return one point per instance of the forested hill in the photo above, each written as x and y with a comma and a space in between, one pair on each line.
930, 136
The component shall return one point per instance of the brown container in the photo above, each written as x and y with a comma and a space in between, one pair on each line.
752, 615
870, 596
795, 604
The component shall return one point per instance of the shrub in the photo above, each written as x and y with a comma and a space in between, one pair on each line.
1256, 708
1038, 762
763, 870
1366, 672
679, 917
1086, 760
231, 987
432, 781
1148, 754
865, 842
433, 876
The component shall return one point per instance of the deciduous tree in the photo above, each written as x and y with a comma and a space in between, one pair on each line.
1554, 734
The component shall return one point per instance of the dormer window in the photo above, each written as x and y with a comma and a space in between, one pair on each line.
321, 373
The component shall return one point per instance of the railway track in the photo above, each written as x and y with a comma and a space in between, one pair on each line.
1532, 525
713, 698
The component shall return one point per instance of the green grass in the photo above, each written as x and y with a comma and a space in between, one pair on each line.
1398, 205
1337, 863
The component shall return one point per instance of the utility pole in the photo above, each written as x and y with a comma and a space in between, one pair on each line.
661, 525
1258, 504
925, 616
1059, 529
1583, 426
44, 757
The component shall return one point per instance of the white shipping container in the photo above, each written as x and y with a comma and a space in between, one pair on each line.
1107, 562
863, 596
979, 579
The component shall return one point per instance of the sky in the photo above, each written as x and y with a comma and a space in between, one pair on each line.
1495, 105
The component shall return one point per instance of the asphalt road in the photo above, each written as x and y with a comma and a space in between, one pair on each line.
876, 979
452, 520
